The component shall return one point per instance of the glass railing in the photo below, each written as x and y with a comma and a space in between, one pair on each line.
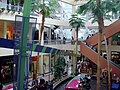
9, 7
54, 42
60, 16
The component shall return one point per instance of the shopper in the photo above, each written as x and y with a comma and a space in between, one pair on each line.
41, 85
64, 40
47, 86
88, 87
51, 85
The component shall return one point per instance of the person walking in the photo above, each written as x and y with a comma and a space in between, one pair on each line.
64, 40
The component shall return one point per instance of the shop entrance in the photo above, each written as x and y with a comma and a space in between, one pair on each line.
6, 69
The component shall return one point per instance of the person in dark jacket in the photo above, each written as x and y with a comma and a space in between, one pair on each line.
47, 86
41, 85
88, 87
51, 85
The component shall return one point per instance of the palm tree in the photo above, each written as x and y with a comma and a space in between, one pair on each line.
76, 23
100, 10
45, 10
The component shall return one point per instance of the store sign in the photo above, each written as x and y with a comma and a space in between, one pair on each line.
35, 58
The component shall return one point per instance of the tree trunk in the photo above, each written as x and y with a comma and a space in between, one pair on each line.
42, 26
76, 50
98, 61
100, 27
40, 39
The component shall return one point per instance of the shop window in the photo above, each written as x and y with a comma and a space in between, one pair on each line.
6, 69
115, 56
10, 32
36, 35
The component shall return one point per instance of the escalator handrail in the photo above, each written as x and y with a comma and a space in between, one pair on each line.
113, 63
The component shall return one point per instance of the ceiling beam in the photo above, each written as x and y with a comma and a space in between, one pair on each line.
73, 2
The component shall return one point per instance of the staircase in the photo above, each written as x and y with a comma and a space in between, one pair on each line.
93, 41
108, 31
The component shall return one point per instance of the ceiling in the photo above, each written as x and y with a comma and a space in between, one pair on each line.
73, 2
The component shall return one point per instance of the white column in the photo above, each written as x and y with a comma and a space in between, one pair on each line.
49, 35
42, 40
49, 66
41, 64
4, 30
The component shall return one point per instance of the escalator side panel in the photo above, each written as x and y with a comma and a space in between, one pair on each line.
108, 31
92, 55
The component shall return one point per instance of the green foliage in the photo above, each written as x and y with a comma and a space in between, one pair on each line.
14, 1
2, 9
104, 9
59, 67
49, 7
52, 5
76, 22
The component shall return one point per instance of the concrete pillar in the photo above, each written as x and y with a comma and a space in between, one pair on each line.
73, 9
49, 34
30, 33
41, 64
4, 30
49, 66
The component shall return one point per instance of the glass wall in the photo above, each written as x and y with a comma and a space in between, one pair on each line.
65, 11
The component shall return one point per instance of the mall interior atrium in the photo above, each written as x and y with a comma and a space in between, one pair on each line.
59, 44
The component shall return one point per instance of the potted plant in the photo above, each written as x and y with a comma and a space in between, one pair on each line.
59, 67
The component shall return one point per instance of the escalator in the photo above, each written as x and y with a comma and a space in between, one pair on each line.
92, 55
108, 31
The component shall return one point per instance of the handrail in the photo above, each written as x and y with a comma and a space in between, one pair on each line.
11, 7
61, 80
92, 48
113, 63
54, 42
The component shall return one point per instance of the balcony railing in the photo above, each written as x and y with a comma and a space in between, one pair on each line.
9, 7
54, 42
60, 16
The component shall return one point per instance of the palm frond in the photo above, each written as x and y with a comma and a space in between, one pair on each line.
88, 7
49, 8
104, 9
95, 19
109, 6
75, 21
107, 17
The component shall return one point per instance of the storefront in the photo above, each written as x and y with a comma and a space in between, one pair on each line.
1, 29
6, 69
115, 56
6, 29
